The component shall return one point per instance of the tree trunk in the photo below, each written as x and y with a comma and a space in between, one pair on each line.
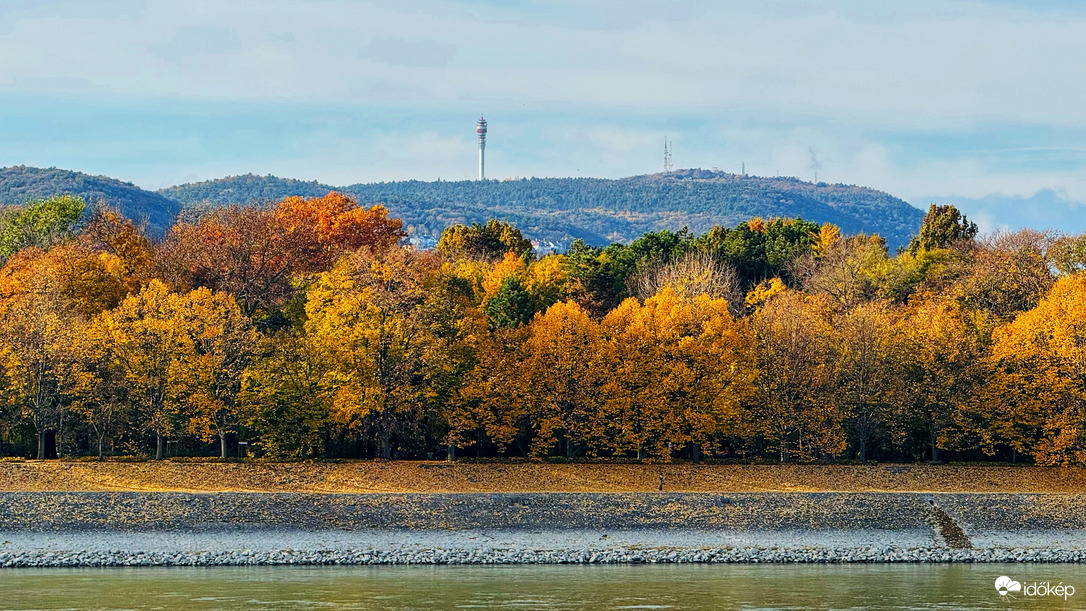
386, 446
695, 453
934, 450
160, 448
41, 445
222, 445
784, 451
452, 452
863, 449
101, 448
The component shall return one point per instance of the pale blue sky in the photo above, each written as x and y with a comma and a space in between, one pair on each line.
977, 103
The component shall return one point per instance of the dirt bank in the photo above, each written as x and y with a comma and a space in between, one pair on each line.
409, 476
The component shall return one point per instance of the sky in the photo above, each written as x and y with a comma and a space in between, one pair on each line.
977, 103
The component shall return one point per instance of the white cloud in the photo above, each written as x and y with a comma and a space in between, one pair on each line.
576, 87
939, 62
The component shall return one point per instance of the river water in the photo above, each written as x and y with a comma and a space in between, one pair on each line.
966, 586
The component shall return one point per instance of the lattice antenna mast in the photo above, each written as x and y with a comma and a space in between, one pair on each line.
667, 155
480, 128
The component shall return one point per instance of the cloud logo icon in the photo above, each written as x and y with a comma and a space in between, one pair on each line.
1005, 585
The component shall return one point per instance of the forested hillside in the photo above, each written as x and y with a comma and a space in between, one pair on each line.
244, 189
556, 211
21, 184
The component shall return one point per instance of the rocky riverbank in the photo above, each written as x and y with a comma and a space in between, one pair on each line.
79, 559
264, 547
164, 529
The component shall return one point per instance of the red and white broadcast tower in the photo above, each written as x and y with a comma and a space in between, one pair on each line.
480, 128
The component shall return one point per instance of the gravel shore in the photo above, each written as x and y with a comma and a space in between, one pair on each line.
167, 529
96, 549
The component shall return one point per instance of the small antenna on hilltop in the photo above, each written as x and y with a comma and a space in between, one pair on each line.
667, 155
744, 169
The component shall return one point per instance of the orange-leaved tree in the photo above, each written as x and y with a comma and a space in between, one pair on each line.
318, 230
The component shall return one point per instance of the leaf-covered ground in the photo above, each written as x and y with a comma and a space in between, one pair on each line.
361, 477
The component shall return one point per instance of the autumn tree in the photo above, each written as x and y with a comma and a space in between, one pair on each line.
110, 232
694, 274
256, 254
1039, 364
236, 250
495, 403
682, 372
365, 314
943, 358
287, 396
454, 329
563, 379
37, 330
490, 241
98, 392
846, 270
867, 377
317, 231
1010, 273
791, 358
208, 377
148, 343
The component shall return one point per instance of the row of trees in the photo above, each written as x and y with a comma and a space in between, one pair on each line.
307, 330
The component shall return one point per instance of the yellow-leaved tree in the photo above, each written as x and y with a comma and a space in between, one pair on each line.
868, 379
148, 343
1039, 373
563, 379
679, 371
207, 380
943, 358
792, 357
366, 315
37, 330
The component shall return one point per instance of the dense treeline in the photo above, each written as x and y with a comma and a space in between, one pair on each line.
306, 329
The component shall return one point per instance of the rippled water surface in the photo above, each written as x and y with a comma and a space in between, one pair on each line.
540, 587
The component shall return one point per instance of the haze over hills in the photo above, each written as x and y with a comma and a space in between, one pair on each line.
20, 184
555, 211
552, 211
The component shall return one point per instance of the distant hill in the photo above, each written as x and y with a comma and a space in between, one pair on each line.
245, 189
552, 211
555, 211
19, 184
